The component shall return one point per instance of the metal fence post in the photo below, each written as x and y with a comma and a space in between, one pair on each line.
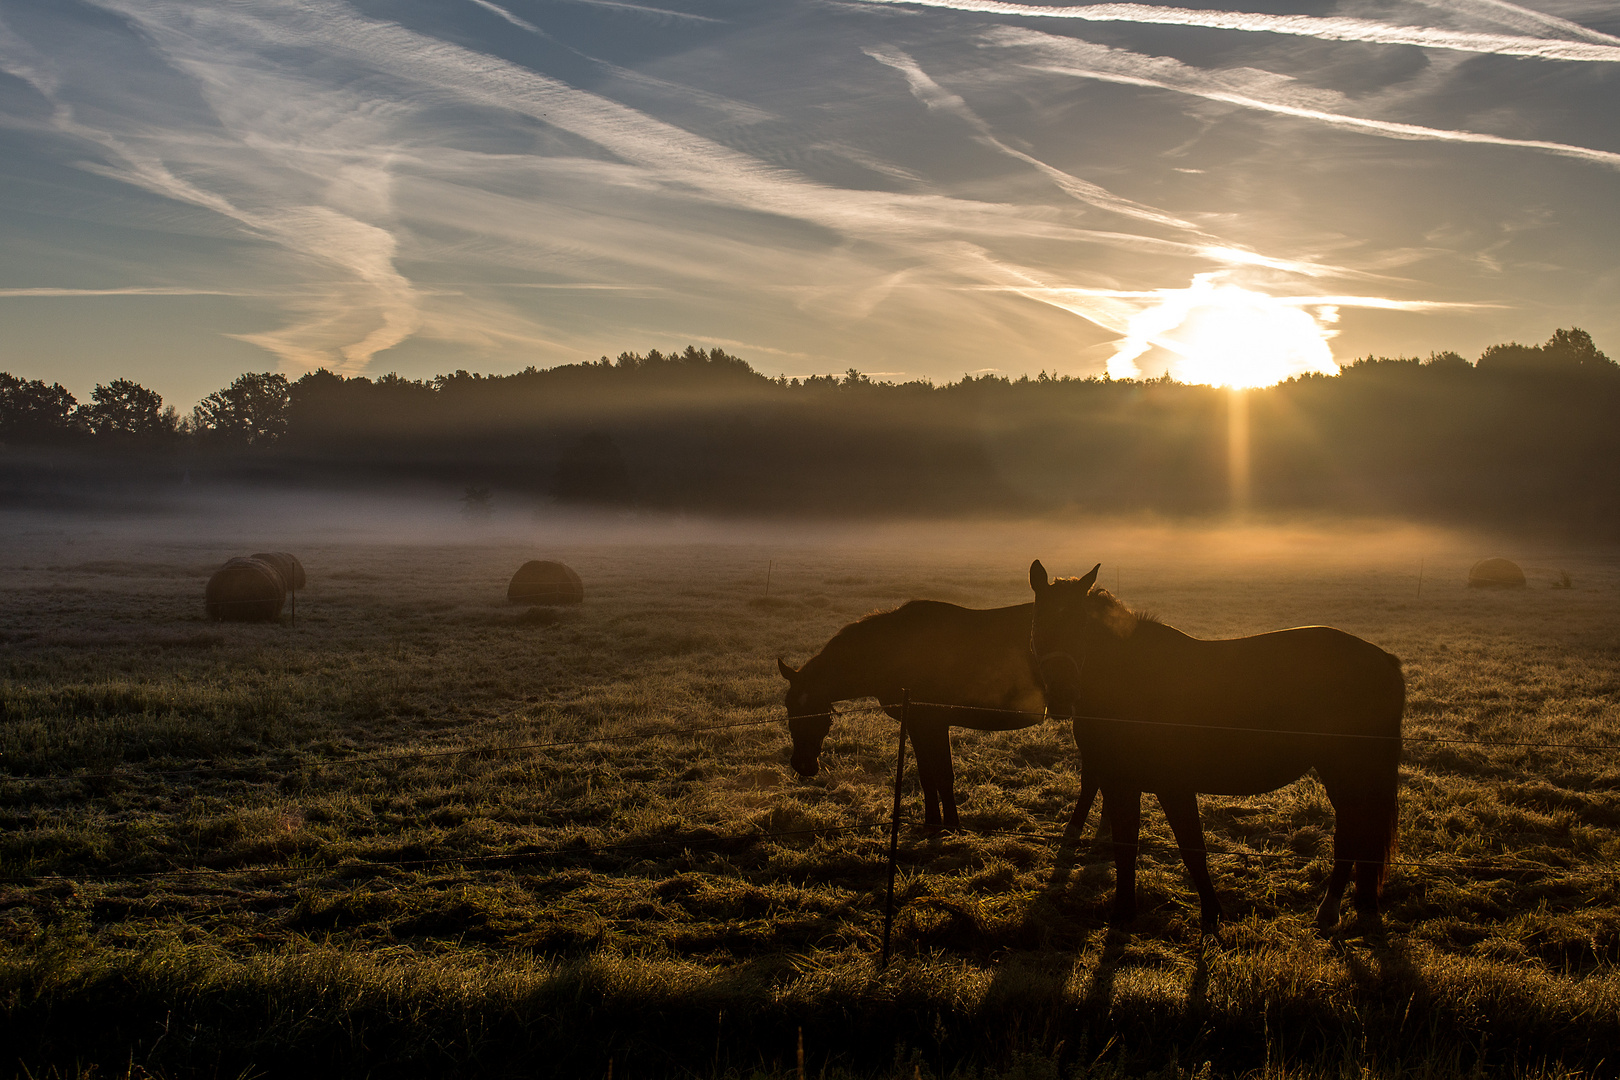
894, 822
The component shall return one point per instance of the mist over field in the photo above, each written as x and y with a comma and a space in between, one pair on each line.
226, 519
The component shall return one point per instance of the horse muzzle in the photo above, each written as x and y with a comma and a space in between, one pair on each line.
808, 733
1060, 683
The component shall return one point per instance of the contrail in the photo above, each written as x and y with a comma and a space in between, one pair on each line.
1336, 28
1521, 18
931, 94
1085, 60
522, 24
128, 290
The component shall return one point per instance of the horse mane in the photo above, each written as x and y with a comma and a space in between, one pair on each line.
1119, 619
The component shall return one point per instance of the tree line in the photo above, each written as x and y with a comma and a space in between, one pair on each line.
1524, 432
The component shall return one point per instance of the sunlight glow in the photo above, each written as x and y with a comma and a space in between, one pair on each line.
1226, 335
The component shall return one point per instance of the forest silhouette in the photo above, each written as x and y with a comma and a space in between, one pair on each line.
1525, 436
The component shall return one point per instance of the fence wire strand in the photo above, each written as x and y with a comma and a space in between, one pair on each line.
577, 850
1034, 717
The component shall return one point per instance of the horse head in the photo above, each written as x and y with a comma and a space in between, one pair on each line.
1069, 614
809, 719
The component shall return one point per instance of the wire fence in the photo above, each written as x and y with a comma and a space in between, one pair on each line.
569, 850
1034, 717
1103, 854
492, 750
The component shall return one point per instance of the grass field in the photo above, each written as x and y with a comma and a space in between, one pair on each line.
248, 850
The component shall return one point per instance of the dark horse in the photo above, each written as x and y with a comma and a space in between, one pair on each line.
1156, 710
943, 655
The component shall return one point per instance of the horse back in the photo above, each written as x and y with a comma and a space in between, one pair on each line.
1334, 701
1267, 680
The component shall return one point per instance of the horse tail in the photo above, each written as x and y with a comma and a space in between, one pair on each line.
1391, 840
1391, 830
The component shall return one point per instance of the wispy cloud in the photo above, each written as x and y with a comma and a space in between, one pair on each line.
521, 24
1202, 244
128, 290
1246, 88
222, 48
1501, 13
364, 252
1336, 28
664, 14
936, 97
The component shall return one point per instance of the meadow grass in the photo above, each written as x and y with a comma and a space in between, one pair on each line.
234, 850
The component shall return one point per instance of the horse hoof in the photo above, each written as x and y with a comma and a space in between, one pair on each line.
1369, 924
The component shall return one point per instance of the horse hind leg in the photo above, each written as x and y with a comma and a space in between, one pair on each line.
933, 746
1181, 810
1124, 812
1327, 914
1363, 839
1377, 828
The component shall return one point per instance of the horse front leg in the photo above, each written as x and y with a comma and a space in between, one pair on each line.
1181, 810
1124, 812
932, 742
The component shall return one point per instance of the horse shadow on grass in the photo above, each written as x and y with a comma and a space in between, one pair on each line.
1382, 966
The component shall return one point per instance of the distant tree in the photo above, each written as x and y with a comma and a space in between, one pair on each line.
592, 471
123, 409
1569, 350
252, 410
314, 386
31, 411
1575, 347
1447, 361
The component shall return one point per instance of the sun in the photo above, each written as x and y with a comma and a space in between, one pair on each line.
1226, 335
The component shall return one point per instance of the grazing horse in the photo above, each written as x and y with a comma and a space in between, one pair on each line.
1156, 710
943, 655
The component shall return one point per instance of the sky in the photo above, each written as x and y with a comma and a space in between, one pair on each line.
912, 188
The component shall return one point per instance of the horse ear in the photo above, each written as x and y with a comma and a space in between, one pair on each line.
1037, 576
1090, 579
787, 672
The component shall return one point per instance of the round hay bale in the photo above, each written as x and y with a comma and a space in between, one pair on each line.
1496, 574
245, 590
288, 566
539, 582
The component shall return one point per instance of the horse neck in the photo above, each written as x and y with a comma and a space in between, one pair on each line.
1149, 648
839, 673
1148, 642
